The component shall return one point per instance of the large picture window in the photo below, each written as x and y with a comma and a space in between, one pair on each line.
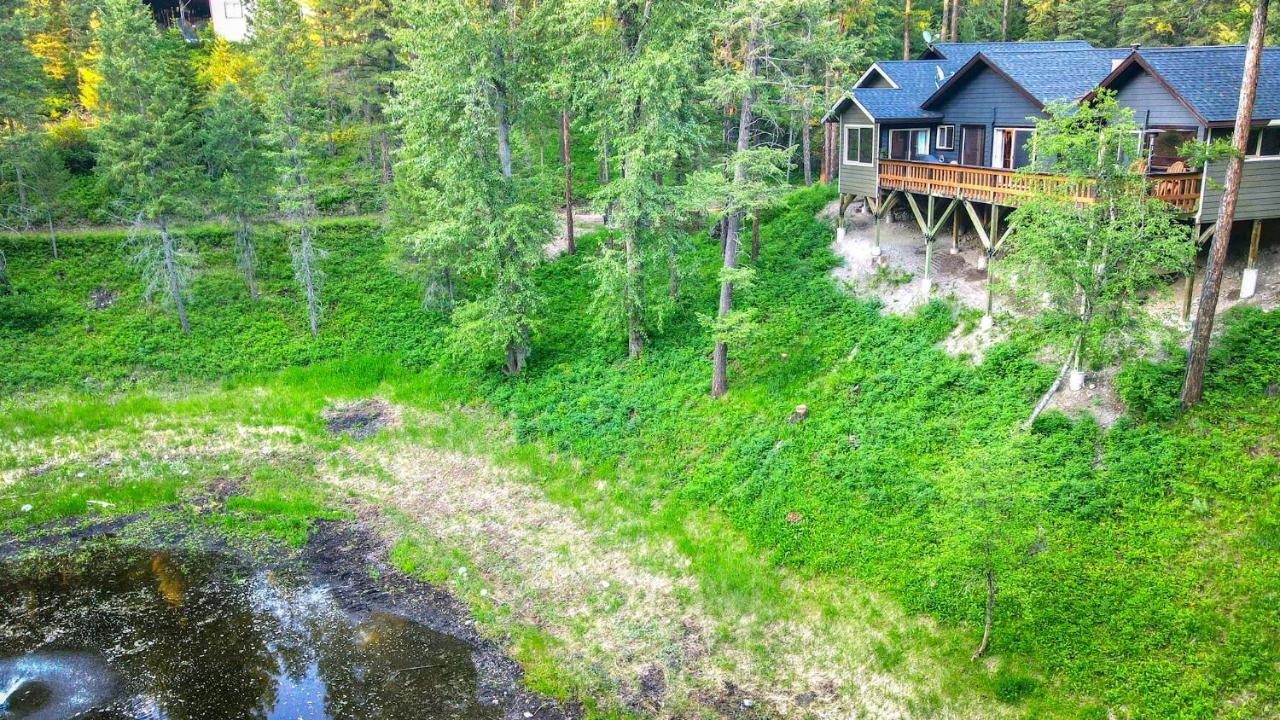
909, 144
859, 144
1011, 148
234, 9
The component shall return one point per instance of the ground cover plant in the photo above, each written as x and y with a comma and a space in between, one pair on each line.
1134, 567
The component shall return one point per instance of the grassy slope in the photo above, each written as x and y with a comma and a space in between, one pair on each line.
1135, 567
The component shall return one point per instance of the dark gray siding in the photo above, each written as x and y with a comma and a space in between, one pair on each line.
1152, 105
856, 179
1259, 190
987, 99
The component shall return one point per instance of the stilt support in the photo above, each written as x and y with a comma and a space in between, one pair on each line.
1249, 283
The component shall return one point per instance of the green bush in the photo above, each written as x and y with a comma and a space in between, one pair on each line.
1151, 390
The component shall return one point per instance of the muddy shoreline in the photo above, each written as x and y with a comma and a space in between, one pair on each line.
346, 557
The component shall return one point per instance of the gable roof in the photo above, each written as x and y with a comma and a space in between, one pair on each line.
965, 51
1207, 79
916, 80
1041, 76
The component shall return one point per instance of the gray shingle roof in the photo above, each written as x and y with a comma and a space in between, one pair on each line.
916, 81
1208, 79
964, 51
1058, 75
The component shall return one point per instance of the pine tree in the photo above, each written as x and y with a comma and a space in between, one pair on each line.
234, 149
146, 155
459, 111
286, 58
21, 90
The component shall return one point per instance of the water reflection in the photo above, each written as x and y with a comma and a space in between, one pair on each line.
119, 633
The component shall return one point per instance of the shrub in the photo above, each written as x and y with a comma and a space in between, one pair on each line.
1151, 389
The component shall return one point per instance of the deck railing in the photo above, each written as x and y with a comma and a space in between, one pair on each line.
1007, 187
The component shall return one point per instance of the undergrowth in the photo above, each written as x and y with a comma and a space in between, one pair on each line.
1135, 567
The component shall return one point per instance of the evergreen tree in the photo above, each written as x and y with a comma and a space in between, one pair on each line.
21, 92
147, 157
233, 145
459, 109
286, 60
46, 177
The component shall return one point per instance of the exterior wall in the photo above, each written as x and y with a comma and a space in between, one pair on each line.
857, 179
1259, 190
989, 100
1153, 106
230, 19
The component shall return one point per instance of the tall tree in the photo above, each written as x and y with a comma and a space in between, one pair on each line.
234, 147
458, 109
906, 29
753, 26
1091, 263
46, 177
1202, 329
21, 92
146, 152
285, 55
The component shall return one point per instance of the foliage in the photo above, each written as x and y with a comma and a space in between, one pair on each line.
1090, 264
1140, 562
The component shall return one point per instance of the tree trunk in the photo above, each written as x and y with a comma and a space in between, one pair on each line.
755, 236
942, 32
1004, 22
571, 246
4, 275
246, 257
720, 354
171, 275
1202, 329
806, 151
385, 152
986, 624
53, 237
307, 251
906, 30
955, 21
516, 350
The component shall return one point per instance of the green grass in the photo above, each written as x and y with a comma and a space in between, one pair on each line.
1136, 566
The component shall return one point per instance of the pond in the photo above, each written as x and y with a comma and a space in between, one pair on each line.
113, 632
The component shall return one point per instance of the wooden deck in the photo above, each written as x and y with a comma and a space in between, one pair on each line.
1007, 187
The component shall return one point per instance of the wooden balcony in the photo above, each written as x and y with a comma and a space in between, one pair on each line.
1007, 187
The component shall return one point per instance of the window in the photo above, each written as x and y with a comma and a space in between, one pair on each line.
234, 9
859, 144
1011, 148
909, 144
1263, 141
1162, 148
946, 137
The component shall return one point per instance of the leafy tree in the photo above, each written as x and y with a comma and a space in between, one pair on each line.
285, 56
742, 78
60, 34
1089, 264
21, 90
147, 156
40, 162
234, 148
458, 110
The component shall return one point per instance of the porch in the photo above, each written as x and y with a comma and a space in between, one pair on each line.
1009, 188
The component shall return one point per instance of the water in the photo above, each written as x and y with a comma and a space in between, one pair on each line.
115, 633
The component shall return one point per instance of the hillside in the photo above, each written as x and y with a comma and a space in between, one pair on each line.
1134, 567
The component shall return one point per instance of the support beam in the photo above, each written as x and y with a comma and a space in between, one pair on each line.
955, 235
915, 210
844, 205
978, 225
1249, 282
928, 266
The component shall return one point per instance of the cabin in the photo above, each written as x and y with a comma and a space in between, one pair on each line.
945, 136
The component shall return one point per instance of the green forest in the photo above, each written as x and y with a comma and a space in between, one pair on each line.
666, 464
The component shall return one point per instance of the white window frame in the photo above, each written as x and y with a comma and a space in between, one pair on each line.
226, 9
928, 133
845, 143
997, 145
937, 142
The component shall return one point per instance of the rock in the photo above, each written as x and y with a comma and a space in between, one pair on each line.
853, 441
801, 412
783, 356
1273, 389
794, 517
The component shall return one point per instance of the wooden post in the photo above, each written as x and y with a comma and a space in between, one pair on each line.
955, 234
1189, 282
1249, 283
844, 205
928, 265
989, 318
571, 247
